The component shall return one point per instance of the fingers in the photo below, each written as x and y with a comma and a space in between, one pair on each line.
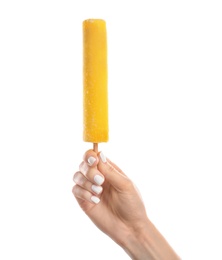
88, 179
85, 195
92, 173
96, 167
86, 190
89, 169
113, 174
81, 180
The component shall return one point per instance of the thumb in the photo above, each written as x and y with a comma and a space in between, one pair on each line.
112, 173
90, 158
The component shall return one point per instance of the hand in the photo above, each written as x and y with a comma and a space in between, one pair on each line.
120, 207
117, 205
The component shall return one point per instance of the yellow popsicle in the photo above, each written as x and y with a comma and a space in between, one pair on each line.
95, 92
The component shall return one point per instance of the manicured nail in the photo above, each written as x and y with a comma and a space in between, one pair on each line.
98, 179
91, 160
95, 199
103, 157
97, 189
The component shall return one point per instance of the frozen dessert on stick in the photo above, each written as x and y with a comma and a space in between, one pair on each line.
95, 92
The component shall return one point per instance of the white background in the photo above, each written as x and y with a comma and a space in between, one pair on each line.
165, 107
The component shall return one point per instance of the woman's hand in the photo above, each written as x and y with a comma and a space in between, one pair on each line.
120, 207
113, 203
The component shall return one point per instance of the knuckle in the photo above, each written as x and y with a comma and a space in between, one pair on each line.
74, 190
87, 174
83, 168
78, 191
75, 176
81, 165
79, 179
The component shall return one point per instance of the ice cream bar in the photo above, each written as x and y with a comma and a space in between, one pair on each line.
95, 92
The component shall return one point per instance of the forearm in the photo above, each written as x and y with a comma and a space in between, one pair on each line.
149, 244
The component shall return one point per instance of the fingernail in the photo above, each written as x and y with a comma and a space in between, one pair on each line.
103, 157
97, 189
95, 199
91, 160
98, 179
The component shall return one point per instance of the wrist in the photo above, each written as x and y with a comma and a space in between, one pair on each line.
138, 245
148, 244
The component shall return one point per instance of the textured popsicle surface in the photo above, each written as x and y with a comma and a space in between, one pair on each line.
95, 92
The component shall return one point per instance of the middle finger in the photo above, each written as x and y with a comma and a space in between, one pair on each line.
91, 173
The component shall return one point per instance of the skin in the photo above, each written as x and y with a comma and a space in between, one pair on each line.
122, 209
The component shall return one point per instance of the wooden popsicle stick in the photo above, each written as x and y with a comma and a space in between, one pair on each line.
95, 147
